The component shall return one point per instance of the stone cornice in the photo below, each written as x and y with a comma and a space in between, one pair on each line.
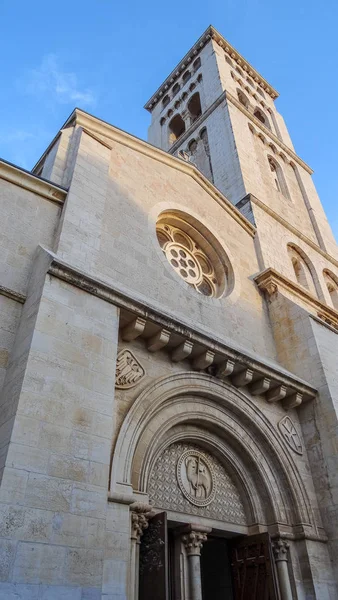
32, 183
268, 132
210, 34
290, 227
12, 294
96, 128
263, 377
270, 282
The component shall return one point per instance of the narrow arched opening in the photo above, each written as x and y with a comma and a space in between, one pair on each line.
331, 282
194, 107
262, 117
176, 128
301, 269
242, 98
278, 177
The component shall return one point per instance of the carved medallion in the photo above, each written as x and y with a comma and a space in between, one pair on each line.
128, 370
195, 478
290, 434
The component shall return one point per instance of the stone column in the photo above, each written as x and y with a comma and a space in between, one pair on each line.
139, 522
193, 541
280, 549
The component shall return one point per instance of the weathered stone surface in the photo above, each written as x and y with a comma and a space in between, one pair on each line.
77, 456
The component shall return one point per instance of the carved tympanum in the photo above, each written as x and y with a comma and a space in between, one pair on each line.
290, 434
195, 478
128, 370
164, 489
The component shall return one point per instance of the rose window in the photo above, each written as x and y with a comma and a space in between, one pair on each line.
188, 259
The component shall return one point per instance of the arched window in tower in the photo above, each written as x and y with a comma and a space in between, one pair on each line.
278, 177
165, 101
194, 107
250, 82
332, 286
196, 64
176, 128
301, 269
239, 71
229, 61
260, 91
262, 117
176, 88
242, 98
186, 77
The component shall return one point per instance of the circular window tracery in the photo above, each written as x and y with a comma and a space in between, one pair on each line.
191, 256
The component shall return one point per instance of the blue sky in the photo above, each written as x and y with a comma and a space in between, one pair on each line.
108, 57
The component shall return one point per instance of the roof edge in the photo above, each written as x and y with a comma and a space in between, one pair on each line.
209, 33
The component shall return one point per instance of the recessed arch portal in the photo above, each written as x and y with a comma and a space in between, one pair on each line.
224, 421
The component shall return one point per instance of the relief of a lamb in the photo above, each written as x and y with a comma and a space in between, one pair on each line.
198, 477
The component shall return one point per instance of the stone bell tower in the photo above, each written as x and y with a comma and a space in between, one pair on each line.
217, 111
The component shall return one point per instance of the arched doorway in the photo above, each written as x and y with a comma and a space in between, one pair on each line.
214, 470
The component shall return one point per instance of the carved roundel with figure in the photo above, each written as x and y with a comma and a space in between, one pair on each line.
195, 478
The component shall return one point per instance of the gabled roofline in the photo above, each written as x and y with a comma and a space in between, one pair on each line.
210, 33
96, 127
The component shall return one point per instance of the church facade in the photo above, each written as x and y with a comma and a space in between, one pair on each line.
168, 355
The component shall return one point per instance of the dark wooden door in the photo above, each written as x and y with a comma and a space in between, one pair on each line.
153, 582
253, 569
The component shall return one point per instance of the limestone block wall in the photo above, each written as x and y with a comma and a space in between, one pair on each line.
273, 238
308, 348
108, 230
253, 155
53, 497
27, 221
234, 77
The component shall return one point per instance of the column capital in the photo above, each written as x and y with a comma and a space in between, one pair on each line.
280, 549
193, 542
140, 514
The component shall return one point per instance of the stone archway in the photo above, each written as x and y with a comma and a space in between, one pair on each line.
229, 424
194, 410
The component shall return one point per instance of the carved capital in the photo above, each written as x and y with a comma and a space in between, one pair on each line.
280, 549
140, 514
193, 542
